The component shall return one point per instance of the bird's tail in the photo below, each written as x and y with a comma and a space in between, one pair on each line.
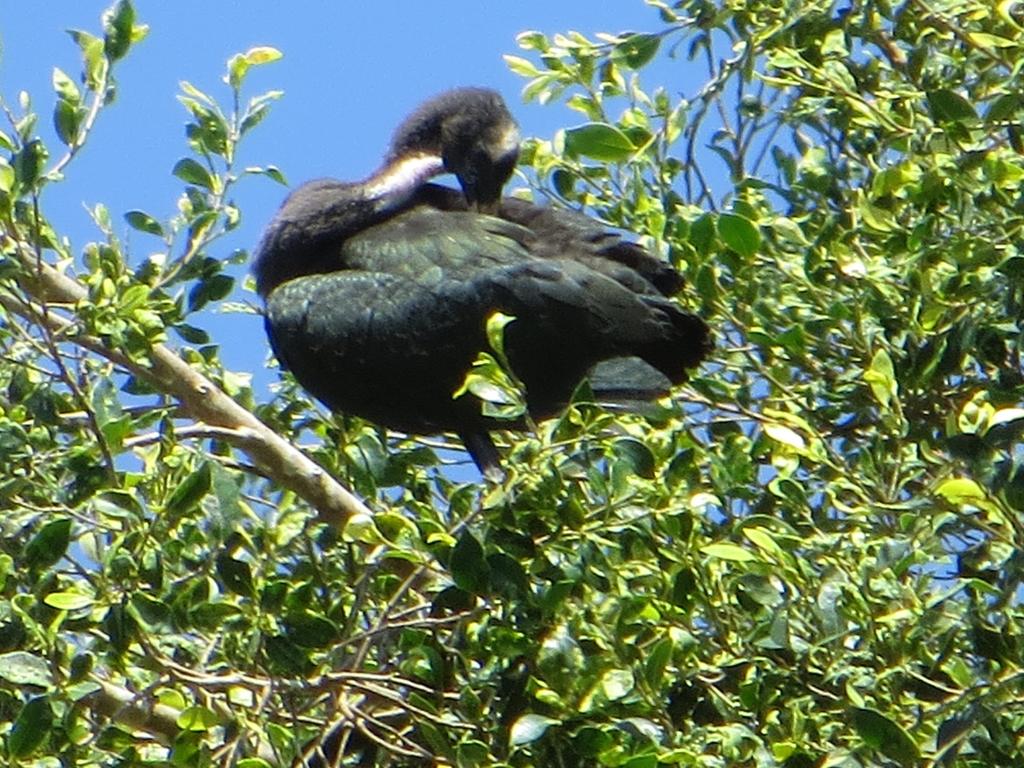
624, 380
685, 343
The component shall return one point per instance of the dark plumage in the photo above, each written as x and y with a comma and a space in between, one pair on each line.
377, 293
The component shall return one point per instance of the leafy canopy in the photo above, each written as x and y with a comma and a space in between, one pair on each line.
811, 555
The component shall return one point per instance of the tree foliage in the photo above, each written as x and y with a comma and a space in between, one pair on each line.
809, 556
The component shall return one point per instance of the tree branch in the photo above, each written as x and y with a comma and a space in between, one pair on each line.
199, 397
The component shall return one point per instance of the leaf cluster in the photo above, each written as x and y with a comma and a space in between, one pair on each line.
809, 555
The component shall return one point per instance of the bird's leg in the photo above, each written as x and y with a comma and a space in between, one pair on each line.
485, 455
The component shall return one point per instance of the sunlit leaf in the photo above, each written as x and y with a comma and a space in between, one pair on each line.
636, 50
599, 141
529, 728
143, 222
739, 233
188, 170
1005, 416
190, 491
617, 683
24, 668
881, 377
118, 25
783, 434
197, 719
240, 64
68, 601
65, 87
727, 551
960, 490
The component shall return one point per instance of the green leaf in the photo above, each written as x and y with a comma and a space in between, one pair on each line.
65, 87
617, 683
192, 334
658, 657
226, 492
739, 233
143, 222
29, 162
496, 324
1004, 416
948, 106
271, 172
7, 176
727, 551
118, 25
783, 434
120, 627
310, 630
881, 377
68, 601
23, 668
599, 141
92, 55
235, 575
189, 492
529, 728
522, 67
489, 381
684, 588
153, 613
507, 575
213, 288
240, 63
49, 544
883, 734
763, 539
961, 490
1004, 108
253, 118
66, 121
214, 614
473, 753
82, 690
989, 41
209, 134
31, 727
467, 564
637, 456
636, 50
641, 761
785, 58
191, 172
197, 719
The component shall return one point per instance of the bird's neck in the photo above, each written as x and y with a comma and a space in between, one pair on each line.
307, 232
394, 185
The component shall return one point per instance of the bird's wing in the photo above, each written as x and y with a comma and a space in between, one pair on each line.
558, 231
385, 348
465, 259
435, 248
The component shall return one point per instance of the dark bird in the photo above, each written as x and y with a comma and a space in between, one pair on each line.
378, 292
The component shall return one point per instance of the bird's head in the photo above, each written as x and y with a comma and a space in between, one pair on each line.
473, 133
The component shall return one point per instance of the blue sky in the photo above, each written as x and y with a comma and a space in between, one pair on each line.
350, 72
